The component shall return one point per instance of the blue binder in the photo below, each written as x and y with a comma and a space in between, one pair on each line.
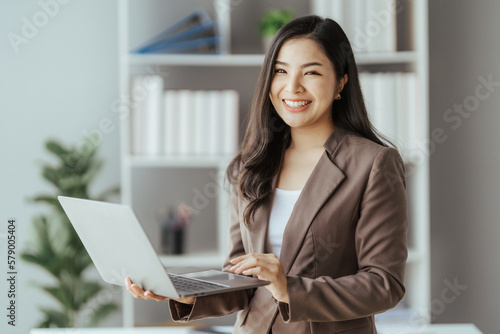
196, 32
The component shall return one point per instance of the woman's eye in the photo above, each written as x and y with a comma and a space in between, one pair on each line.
279, 70
313, 73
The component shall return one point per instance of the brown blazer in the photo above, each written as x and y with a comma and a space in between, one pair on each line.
344, 247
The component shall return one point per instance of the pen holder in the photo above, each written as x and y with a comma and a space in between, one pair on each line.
172, 241
173, 225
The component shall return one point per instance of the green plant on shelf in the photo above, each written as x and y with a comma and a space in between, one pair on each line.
57, 248
273, 20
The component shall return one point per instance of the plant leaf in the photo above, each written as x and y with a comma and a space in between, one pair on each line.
45, 254
58, 318
92, 172
85, 291
52, 175
60, 293
100, 313
51, 200
81, 261
56, 148
44, 324
57, 247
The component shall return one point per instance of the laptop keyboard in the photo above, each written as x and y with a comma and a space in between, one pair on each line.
186, 284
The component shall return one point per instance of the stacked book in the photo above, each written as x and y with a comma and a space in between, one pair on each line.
393, 107
370, 25
194, 33
182, 122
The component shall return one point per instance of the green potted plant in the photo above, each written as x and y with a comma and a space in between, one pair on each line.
56, 247
271, 22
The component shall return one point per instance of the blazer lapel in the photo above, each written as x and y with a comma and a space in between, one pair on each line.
324, 179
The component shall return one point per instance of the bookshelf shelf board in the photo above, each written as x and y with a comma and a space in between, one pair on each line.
400, 57
196, 60
186, 161
256, 59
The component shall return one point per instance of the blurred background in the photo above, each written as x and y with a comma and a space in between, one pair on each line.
66, 79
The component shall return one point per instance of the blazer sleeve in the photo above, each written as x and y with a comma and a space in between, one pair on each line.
224, 303
380, 242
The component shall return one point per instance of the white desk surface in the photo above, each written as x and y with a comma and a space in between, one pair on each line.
382, 329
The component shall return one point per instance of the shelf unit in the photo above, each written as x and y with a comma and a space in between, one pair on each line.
416, 60
417, 299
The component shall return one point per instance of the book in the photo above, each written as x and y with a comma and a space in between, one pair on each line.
185, 125
381, 26
199, 45
322, 8
213, 110
403, 104
354, 14
195, 18
337, 10
200, 122
230, 121
197, 33
171, 123
370, 25
200, 129
147, 91
136, 124
194, 33
415, 110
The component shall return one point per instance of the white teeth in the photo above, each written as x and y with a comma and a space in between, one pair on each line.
296, 104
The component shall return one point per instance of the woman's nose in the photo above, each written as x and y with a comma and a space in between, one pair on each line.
294, 84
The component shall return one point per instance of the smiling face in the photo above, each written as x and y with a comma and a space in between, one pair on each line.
304, 85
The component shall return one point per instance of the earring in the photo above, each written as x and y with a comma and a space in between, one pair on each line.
338, 97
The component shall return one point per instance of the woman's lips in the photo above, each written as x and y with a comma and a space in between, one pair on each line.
296, 105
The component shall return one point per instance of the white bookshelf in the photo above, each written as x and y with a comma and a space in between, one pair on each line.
138, 14
416, 303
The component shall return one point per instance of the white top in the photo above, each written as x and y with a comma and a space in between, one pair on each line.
283, 203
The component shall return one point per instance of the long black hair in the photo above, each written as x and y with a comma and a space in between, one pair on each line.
267, 135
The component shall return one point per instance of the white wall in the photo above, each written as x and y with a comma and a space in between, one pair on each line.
60, 84
465, 182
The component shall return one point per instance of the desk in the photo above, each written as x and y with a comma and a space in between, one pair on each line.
382, 329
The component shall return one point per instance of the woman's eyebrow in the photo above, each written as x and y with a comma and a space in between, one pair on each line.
315, 63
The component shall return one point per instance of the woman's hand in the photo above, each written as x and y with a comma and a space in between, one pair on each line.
266, 267
137, 292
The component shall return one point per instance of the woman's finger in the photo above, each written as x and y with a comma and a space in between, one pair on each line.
137, 290
238, 259
128, 286
247, 261
149, 295
265, 261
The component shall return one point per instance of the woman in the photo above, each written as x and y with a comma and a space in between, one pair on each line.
318, 202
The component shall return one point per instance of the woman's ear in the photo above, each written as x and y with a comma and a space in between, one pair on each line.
342, 83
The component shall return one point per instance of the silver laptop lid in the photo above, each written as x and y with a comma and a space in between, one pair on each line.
115, 239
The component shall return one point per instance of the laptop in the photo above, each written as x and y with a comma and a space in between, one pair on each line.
119, 248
